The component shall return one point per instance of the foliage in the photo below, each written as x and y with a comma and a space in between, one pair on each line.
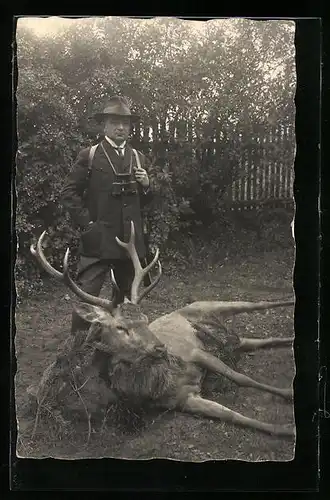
234, 78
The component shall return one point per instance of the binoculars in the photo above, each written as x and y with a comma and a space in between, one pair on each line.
124, 185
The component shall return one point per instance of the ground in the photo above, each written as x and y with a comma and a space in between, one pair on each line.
42, 324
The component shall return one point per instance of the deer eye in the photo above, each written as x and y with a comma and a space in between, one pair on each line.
122, 329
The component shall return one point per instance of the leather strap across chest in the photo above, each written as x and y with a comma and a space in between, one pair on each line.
112, 165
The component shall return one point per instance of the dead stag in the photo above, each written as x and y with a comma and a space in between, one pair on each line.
160, 365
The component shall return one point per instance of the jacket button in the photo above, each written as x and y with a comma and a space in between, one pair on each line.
125, 205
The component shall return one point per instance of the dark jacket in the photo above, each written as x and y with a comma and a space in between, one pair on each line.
89, 197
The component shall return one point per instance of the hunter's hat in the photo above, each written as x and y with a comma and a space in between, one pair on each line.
116, 106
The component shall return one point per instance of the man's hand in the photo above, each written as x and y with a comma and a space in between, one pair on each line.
141, 176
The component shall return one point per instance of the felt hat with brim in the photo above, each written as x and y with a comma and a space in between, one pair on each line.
116, 106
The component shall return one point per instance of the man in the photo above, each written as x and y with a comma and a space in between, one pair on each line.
103, 199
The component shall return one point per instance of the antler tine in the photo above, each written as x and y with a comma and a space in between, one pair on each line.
131, 243
131, 250
152, 285
85, 296
41, 258
139, 272
152, 263
39, 255
113, 280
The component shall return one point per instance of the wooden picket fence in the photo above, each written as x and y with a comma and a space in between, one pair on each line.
268, 169
266, 160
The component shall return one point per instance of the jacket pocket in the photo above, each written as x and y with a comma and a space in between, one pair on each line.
91, 240
101, 178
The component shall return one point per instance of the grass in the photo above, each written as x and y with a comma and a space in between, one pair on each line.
43, 322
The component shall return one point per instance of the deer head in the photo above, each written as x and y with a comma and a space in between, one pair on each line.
123, 328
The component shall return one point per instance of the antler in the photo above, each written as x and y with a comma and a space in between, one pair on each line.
139, 271
65, 277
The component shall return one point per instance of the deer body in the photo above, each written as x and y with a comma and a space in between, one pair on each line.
175, 331
164, 363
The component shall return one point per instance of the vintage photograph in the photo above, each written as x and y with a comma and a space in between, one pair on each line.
154, 174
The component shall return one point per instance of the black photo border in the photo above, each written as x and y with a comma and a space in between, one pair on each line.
304, 472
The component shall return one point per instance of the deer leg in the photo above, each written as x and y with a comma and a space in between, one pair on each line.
197, 405
215, 365
247, 344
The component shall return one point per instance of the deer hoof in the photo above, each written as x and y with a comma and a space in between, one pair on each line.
287, 394
286, 431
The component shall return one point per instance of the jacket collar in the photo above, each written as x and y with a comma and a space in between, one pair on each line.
114, 145
122, 164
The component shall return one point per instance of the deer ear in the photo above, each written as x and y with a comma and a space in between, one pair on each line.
91, 313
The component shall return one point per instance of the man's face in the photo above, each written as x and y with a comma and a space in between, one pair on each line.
117, 128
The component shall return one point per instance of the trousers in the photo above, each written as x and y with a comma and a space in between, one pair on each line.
91, 276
